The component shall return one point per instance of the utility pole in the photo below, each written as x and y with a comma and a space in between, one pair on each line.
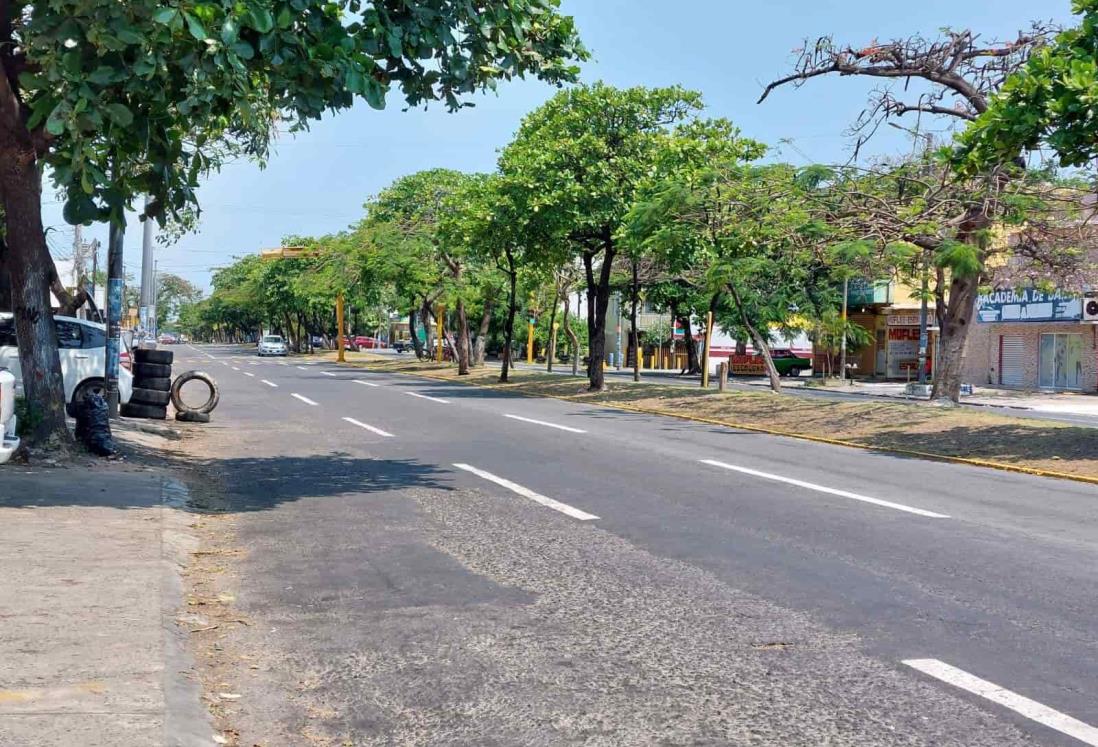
617, 348
341, 357
440, 315
116, 273
705, 350
923, 322
530, 341
842, 344
146, 308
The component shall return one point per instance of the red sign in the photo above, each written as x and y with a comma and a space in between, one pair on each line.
748, 365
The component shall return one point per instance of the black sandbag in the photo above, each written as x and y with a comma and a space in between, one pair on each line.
93, 426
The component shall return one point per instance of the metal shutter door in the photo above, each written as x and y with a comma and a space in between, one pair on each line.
1011, 360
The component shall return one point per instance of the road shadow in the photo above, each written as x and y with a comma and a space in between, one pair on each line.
242, 484
1062, 447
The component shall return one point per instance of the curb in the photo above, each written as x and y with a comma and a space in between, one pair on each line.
775, 432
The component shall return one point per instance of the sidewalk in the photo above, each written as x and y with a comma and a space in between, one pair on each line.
90, 651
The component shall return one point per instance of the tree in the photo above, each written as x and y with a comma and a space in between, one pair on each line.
961, 74
1047, 101
141, 98
577, 162
172, 293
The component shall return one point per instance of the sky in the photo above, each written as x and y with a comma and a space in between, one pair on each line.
316, 182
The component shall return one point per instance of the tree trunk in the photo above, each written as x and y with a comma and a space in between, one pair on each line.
417, 344
481, 343
29, 264
633, 321
693, 364
760, 342
741, 347
425, 317
955, 323
552, 352
512, 306
462, 348
599, 304
572, 338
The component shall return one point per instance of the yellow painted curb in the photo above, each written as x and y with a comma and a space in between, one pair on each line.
774, 432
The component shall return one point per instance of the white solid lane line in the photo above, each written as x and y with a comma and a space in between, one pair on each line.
370, 428
564, 508
249, 373
1031, 709
306, 400
365, 383
424, 396
824, 489
270, 383
542, 422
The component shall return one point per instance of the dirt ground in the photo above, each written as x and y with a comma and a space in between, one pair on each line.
949, 432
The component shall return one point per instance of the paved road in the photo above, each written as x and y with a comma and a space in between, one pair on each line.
441, 564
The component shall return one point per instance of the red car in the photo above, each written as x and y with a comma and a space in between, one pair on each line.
367, 343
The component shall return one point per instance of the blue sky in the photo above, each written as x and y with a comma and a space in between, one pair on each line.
317, 182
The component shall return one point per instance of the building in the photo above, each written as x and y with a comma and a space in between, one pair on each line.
1032, 339
889, 311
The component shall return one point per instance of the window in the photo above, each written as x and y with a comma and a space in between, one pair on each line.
7, 333
69, 336
94, 337
272, 338
1061, 361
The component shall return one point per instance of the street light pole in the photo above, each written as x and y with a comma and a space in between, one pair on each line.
923, 336
341, 356
842, 343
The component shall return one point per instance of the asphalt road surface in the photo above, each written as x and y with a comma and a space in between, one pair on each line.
430, 563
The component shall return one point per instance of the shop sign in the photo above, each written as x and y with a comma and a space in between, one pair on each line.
1029, 305
747, 365
911, 319
903, 351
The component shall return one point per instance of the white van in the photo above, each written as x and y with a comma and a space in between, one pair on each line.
83, 351
9, 442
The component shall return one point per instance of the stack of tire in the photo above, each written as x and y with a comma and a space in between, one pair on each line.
152, 385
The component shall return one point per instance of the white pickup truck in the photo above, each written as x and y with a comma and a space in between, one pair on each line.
9, 442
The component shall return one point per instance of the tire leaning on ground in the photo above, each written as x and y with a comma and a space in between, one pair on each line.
150, 396
183, 378
159, 383
161, 357
149, 412
192, 416
151, 370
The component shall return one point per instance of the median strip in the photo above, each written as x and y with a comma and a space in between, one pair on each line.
564, 508
370, 428
1020, 704
824, 489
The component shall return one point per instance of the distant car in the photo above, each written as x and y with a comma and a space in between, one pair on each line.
272, 345
402, 346
166, 339
368, 343
789, 363
9, 442
83, 352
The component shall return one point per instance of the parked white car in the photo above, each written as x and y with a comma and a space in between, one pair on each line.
271, 345
83, 351
9, 442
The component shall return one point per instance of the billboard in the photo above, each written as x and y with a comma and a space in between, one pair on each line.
1029, 305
